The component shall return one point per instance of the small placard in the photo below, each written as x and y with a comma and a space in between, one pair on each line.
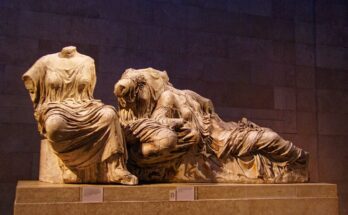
172, 195
91, 194
185, 194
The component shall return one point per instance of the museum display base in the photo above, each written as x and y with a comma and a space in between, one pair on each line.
34, 197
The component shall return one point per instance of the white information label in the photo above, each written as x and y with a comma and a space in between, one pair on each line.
91, 194
185, 194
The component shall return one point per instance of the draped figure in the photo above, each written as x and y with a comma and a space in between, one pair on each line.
84, 133
175, 135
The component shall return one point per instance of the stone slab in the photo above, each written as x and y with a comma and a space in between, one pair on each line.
33, 197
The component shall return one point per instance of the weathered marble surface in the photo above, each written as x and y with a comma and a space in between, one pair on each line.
210, 198
82, 131
167, 134
175, 136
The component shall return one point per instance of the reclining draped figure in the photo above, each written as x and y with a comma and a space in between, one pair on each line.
82, 132
160, 133
175, 136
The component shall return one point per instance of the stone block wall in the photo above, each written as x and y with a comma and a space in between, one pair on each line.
281, 63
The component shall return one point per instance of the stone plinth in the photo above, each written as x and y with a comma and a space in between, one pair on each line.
33, 197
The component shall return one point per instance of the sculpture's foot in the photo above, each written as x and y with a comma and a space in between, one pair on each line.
69, 177
122, 176
118, 173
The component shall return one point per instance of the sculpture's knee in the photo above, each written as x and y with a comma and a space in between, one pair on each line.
164, 141
269, 141
108, 114
53, 127
270, 135
167, 142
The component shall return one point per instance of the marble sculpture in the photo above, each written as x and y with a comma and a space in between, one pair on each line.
84, 133
159, 133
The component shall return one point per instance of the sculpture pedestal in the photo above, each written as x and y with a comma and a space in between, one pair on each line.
49, 164
33, 197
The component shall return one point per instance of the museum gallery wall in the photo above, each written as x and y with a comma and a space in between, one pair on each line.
280, 64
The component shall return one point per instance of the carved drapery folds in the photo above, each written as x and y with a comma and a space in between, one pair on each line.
159, 133
175, 135
82, 131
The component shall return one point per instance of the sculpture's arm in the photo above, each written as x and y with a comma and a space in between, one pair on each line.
31, 80
163, 112
93, 77
206, 104
30, 86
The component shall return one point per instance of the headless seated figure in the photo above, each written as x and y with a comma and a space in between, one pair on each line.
84, 133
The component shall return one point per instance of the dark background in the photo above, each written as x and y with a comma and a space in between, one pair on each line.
280, 63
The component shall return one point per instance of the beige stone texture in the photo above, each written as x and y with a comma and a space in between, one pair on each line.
175, 135
289, 199
30, 29
50, 170
83, 141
